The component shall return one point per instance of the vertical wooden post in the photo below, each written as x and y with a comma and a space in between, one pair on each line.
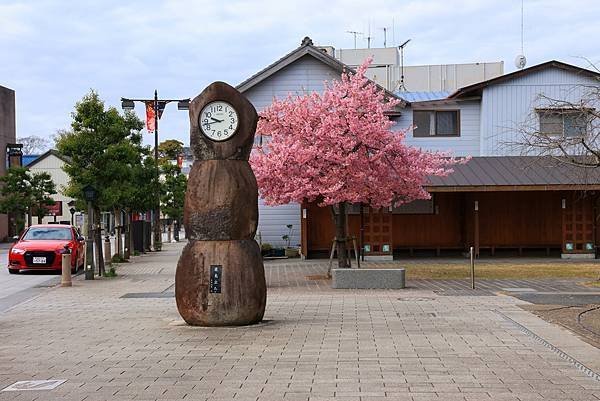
472, 255
563, 207
304, 230
595, 224
476, 228
362, 233
464, 241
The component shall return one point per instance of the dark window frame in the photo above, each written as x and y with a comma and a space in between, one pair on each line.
563, 112
434, 120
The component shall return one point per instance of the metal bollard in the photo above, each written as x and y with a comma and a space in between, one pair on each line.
66, 267
472, 254
107, 255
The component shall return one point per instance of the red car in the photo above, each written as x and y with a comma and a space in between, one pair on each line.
40, 248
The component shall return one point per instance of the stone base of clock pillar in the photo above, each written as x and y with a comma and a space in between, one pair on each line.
221, 283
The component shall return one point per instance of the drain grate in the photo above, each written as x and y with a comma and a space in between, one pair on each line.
554, 349
34, 385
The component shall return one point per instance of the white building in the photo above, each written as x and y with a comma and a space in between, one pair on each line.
386, 70
52, 163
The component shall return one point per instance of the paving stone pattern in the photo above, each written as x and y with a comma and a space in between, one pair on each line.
316, 344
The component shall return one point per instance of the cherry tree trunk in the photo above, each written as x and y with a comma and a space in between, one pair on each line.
341, 233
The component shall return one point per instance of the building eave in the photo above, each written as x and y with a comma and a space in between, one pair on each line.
50, 152
307, 49
477, 89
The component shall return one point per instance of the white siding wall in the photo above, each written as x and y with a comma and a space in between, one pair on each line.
53, 166
467, 144
507, 106
304, 76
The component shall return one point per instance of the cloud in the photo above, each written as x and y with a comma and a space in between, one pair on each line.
56, 51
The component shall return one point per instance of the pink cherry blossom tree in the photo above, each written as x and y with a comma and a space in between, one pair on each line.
338, 147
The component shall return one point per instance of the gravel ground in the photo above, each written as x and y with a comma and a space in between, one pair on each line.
583, 320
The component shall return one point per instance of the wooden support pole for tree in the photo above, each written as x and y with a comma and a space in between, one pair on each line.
331, 256
356, 252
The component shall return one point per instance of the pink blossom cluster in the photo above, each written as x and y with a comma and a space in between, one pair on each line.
338, 146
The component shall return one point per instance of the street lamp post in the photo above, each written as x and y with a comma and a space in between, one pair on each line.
89, 194
158, 105
72, 210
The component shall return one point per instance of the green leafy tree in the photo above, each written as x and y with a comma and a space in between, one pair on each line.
106, 152
42, 187
22, 192
169, 150
173, 194
174, 182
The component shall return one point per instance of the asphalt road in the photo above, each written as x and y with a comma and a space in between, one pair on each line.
16, 288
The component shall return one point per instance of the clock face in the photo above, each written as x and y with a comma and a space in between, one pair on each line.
218, 121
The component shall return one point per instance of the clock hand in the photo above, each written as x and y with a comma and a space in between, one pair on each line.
215, 120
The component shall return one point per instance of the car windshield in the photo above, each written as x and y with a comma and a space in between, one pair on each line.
48, 233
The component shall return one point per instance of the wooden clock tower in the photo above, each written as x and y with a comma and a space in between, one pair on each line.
220, 279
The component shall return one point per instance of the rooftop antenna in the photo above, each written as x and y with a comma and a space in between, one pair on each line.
369, 36
401, 87
354, 33
520, 61
385, 29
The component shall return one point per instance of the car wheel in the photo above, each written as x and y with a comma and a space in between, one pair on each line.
13, 271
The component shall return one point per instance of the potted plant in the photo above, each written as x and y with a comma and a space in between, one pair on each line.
290, 252
266, 249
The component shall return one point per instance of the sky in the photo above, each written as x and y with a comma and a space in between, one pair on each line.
52, 52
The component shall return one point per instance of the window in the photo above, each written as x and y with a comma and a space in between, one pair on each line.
436, 123
569, 123
48, 233
418, 206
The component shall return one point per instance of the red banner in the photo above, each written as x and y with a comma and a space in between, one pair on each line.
150, 116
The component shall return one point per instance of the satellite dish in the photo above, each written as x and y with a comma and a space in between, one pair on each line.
520, 61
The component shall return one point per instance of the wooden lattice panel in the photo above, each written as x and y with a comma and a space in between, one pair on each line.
578, 224
377, 232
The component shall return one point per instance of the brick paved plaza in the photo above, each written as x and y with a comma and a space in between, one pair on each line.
122, 339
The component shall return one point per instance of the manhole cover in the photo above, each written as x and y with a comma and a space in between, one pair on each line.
31, 385
416, 314
148, 295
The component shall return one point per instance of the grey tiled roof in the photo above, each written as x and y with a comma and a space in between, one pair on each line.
517, 171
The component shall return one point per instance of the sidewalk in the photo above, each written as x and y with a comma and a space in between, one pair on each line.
315, 344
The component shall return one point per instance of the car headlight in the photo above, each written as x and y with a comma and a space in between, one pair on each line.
18, 251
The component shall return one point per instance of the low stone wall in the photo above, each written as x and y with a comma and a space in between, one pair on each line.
368, 278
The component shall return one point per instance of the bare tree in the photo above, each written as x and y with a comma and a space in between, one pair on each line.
566, 129
34, 144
